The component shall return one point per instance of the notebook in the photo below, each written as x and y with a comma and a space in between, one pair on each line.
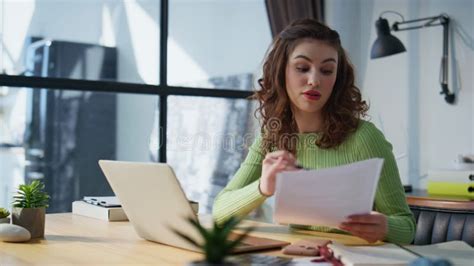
154, 202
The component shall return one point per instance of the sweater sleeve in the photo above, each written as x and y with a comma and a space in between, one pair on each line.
242, 194
390, 196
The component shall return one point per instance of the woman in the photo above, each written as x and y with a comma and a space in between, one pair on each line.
311, 116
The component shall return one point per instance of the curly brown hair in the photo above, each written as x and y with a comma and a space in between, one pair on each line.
341, 113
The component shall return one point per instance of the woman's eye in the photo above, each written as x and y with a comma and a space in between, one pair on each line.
327, 72
302, 69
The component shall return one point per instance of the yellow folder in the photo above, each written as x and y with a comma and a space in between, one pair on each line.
465, 190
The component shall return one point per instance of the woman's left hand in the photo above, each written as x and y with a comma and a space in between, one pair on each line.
371, 227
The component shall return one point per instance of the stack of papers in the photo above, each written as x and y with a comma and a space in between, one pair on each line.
326, 196
456, 252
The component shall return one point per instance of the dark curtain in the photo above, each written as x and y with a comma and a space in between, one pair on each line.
283, 12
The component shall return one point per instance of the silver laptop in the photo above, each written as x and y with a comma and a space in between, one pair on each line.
154, 202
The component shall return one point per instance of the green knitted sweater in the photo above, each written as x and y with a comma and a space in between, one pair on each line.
241, 195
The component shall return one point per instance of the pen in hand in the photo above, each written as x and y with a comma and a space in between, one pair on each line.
298, 165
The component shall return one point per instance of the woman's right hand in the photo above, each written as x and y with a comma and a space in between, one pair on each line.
274, 163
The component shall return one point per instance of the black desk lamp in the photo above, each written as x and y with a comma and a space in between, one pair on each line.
387, 44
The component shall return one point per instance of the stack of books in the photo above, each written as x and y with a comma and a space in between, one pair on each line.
84, 208
458, 183
107, 208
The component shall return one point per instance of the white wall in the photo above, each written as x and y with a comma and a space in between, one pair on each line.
404, 89
447, 130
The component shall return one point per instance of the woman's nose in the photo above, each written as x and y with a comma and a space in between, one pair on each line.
313, 81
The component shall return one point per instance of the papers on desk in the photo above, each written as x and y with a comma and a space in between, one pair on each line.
387, 254
326, 196
456, 252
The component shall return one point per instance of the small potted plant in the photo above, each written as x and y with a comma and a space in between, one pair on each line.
4, 219
29, 208
215, 242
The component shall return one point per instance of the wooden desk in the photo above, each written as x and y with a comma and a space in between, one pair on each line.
72, 239
421, 198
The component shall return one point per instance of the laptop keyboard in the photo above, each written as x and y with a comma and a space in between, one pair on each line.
256, 259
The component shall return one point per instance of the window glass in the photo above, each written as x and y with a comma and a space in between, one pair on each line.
206, 145
90, 39
58, 136
1, 36
216, 43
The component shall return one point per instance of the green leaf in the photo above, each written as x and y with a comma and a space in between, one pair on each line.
223, 231
187, 238
31, 195
231, 245
4, 213
216, 245
229, 225
204, 233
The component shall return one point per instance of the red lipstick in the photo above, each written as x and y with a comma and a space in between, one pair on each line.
312, 95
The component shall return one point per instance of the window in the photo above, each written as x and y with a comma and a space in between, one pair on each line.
58, 136
122, 37
210, 44
84, 80
206, 146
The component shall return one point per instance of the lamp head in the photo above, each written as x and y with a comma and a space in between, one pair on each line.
386, 44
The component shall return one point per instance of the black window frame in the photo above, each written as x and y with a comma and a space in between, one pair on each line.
162, 90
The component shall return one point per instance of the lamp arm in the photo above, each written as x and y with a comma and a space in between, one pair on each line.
444, 71
443, 21
430, 23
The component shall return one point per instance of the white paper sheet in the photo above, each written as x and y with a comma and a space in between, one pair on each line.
326, 196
